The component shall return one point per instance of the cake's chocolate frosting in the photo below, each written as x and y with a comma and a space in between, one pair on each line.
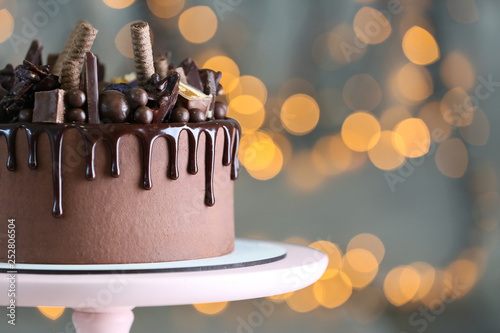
112, 133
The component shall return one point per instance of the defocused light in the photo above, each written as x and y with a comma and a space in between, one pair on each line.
302, 300
203, 57
334, 254
344, 45
392, 116
227, 67
6, 25
414, 139
440, 289
401, 284
300, 114
321, 53
51, 312
457, 71
123, 40
465, 275
362, 92
270, 170
368, 242
384, 154
248, 111
297, 240
257, 150
487, 224
301, 172
478, 132
165, 8
439, 129
427, 276
420, 47
331, 155
414, 82
211, 308
360, 266
333, 292
414, 17
463, 11
452, 158
295, 86
198, 24
284, 145
118, 4
457, 108
279, 298
248, 85
360, 131
371, 26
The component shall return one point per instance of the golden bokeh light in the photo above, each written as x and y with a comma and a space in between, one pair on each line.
360, 266
360, 131
301, 172
270, 170
414, 82
334, 254
427, 275
489, 224
413, 138
384, 154
401, 284
248, 111
198, 24
123, 40
465, 274
165, 8
371, 26
285, 146
302, 300
370, 243
463, 11
362, 92
295, 86
457, 108
247, 85
457, 71
440, 290
299, 240
343, 45
420, 47
321, 53
279, 298
258, 152
211, 308
331, 156
414, 17
452, 158
333, 292
203, 57
118, 4
392, 116
51, 312
228, 68
439, 129
478, 132
6, 25
299, 114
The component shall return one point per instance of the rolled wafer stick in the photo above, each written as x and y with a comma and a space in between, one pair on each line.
143, 52
57, 67
82, 44
161, 66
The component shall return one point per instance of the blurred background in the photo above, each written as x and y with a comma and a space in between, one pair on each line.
368, 133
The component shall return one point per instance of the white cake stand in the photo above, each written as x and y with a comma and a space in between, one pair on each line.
103, 296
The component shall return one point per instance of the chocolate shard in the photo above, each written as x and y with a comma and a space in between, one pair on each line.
49, 106
192, 73
163, 96
34, 54
91, 87
192, 98
101, 70
217, 76
180, 70
210, 88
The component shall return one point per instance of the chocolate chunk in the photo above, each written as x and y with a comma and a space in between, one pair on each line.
3, 92
220, 110
192, 73
179, 115
192, 98
217, 77
49, 106
113, 106
143, 115
34, 54
196, 116
163, 96
211, 90
7, 77
92, 88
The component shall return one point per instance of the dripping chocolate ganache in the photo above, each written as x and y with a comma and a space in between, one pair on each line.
139, 170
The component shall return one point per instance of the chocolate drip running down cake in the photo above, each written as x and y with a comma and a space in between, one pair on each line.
129, 172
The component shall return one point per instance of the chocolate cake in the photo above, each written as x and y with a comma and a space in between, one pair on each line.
130, 172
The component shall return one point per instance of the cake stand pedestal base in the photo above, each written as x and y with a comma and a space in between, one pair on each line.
114, 320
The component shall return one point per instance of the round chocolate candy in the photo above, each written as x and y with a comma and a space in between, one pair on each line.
76, 115
136, 97
143, 115
196, 115
220, 110
113, 106
76, 98
179, 115
25, 115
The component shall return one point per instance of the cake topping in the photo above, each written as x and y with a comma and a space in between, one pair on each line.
143, 115
91, 87
192, 73
25, 115
56, 68
113, 107
143, 52
136, 97
196, 115
75, 98
180, 115
49, 106
161, 66
163, 95
220, 110
34, 54
76, 115
192, 98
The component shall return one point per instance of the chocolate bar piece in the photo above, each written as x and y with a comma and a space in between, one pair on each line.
192, 73
192, 98
91, 88
211, 90
49, 106
34, 54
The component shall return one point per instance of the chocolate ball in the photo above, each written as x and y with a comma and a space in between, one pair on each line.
143, 115
220, 110
25, 115
136, 97
76, 98
76, 115
196, 115
179, 115
113, 106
